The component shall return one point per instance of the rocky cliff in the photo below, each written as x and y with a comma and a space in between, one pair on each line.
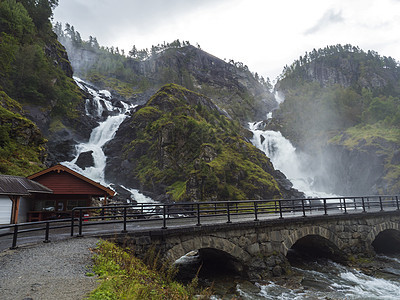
342, 108
231, 85
180, 146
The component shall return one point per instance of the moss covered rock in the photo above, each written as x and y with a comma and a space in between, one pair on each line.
182, 147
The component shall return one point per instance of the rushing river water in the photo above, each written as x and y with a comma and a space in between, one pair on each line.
312, 279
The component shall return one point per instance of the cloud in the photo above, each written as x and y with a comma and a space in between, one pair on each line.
330, 17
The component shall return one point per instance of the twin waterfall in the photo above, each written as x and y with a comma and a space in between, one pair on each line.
281, 152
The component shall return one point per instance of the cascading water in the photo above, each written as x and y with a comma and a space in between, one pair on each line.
319, 280
104, 132
284, 156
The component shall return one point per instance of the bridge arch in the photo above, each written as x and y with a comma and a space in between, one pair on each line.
301, 232
385, 237
381, 227
211, 242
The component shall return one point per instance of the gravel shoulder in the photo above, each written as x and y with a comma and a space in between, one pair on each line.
55, 270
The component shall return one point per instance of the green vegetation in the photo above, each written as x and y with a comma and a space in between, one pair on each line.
143, 71
123, 276
34, 73
362, 90
343, 96
32, 60
21, 143
180, 141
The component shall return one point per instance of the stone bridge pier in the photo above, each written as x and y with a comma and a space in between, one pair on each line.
260, 249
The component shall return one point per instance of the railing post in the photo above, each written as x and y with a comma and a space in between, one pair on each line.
80, 223
255, 211
46, 235
198, 214
215, 208
380, 203
14, 241
355, 204
325, 208
72, 222
344, 206
102, 214
369, 206
164, 217
397, 202
228, 212
280, 209
363, 204
304, 209
124, 230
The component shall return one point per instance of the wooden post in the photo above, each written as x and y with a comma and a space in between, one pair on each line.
15, 209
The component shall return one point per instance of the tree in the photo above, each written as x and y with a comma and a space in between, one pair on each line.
40, 10
133, 53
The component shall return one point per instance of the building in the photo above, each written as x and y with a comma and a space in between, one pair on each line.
16, 195
70, 189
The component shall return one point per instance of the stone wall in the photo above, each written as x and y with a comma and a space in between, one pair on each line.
261, 246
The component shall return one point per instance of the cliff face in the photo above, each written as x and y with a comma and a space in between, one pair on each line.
35, 75
179, 146
232, 87
342, 108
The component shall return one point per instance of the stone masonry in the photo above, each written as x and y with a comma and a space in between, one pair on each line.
261, 246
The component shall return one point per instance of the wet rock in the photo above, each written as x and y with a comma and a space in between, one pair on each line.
85, 160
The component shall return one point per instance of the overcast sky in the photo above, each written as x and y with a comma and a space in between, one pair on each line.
265, 35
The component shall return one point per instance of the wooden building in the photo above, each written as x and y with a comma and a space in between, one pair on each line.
16, 194
70, 189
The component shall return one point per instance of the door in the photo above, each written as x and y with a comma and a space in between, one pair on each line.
5, 210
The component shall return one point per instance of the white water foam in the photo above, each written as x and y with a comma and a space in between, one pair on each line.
100, 135
360, 286
284, 157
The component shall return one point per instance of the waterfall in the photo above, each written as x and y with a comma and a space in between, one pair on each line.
285, 158
104, 132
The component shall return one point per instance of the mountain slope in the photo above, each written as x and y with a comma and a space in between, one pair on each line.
36, 74
244, 96
179, 144
342, 107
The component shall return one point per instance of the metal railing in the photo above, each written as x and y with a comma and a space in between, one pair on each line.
199, 213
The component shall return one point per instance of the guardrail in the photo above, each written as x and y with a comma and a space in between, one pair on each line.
201, 212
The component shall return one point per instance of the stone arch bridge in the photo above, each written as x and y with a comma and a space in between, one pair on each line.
259, 248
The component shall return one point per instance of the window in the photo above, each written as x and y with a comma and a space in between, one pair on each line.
76, 203
47, 205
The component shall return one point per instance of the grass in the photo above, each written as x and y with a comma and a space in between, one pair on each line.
368, 133
124, 276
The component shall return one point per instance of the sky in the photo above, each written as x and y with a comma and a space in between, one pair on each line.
265, 35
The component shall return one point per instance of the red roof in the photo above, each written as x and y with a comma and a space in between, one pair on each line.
63, 180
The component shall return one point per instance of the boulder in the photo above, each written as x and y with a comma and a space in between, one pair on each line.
85, 160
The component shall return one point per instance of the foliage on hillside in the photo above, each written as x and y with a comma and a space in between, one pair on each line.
34, 74
348, 66
345, 97
28, 73
232, 86
180, 143
123, 276
21, 143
